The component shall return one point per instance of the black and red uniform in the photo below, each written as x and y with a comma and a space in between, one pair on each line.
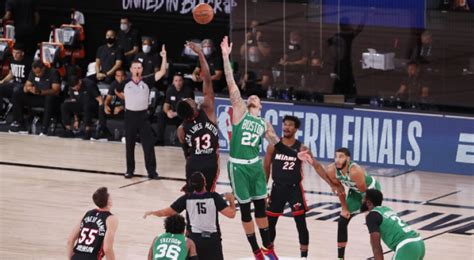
287, 175
202, 141
91, 237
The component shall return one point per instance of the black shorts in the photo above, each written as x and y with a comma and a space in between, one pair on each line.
283, 193
79, 256
209, 166
209, 248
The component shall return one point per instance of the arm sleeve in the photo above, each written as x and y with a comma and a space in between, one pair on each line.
120, 54
93, 89
111, 91
54, 77
120, 87
9, 6
180, 204
219, 201
373, 220
99, 51
149, 80
31, 77
168, 95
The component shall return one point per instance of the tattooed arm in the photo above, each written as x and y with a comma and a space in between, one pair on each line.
238, 104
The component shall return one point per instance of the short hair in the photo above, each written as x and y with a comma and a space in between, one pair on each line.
184, 110
136, 61
179, 74
375, 196
344, 150
19, 46
73, 80
175, 224
197, 181
121, 70
294, 119
101, 197
37, 64
125, 17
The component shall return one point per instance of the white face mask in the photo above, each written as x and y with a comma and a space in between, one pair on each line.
207, 51
123, 26
146, 48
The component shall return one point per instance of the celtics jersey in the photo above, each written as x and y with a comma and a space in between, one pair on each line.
393, 230
170, 247
348, 182
246, 137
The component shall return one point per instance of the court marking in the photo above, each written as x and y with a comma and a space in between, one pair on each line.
134, 183
427, 203
442, 196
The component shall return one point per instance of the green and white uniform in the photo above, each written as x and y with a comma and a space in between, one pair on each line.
398, 236
245, 167
355, 196
170, 247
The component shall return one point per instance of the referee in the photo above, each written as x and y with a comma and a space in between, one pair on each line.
202, 218
136, 91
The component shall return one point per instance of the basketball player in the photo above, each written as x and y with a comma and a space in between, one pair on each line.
348, 173
173, 244
287, 177
384, 223
245, 168
198, 134
202, 210
93, 237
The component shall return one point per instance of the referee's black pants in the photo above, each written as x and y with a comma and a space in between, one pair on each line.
138, 122
209, 248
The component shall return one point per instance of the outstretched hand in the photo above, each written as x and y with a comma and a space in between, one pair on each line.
163, 51
305, 156
225, 46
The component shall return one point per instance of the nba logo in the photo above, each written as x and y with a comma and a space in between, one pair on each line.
224, 119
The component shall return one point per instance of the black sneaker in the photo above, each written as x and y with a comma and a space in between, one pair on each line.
128, 175
153, 176
16, 127
87, 135
68, 134
103, 133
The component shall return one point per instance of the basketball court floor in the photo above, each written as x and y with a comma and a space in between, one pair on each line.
46, 184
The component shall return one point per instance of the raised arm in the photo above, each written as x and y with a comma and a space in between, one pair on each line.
164, 62
270, 135
267, 163
207, 89
238, 104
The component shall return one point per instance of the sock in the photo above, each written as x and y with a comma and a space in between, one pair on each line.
304, 253
253, 242
265, 234
340, 252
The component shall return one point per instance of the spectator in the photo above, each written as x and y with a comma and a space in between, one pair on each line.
84, 97
255, 37
168, 115
149, 58
128, 39
460, 5
413, 89
256, 80
295, 58
136, 93
108, 59
19, 69
423, 51
344, 82
41, 90
113, 106
25, 15
215, 66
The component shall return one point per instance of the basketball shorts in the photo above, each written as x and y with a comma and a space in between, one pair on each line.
209, 166
293, 194
248, 181
411, 251
354, 199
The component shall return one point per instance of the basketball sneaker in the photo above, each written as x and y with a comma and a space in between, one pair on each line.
270, 253
259, 255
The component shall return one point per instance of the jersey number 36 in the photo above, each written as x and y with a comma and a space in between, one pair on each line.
169, 251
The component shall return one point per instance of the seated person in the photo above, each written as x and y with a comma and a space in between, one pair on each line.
168, 115
149, 58
413, 89
108, 59
19, 69
256, 80
215, 66
84, 97
41, 89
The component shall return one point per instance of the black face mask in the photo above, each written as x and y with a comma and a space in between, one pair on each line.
364, 207
110, 40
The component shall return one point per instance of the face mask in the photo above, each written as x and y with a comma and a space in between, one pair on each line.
110, 40
189, 52
207, 51
146, 48
253, 58
123, 26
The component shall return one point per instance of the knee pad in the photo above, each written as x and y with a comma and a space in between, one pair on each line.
303, 233
245, 214
259, 208
342, 229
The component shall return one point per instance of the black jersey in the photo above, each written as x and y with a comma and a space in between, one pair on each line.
92, 234
286, 167
201, 136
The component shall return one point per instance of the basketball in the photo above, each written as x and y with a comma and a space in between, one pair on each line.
203, 13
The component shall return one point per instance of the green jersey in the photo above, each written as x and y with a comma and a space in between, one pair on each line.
246, 137
348, 182
393, 230
170, 247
